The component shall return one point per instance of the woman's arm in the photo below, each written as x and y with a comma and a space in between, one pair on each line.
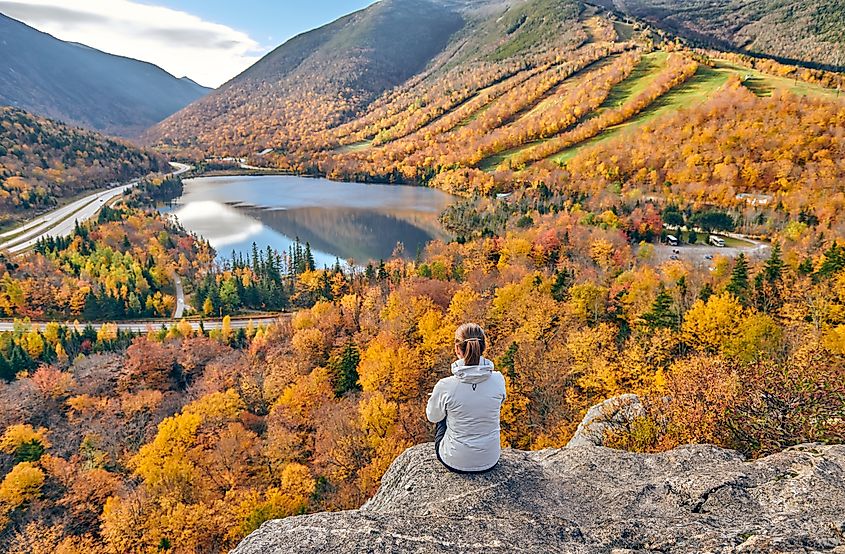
435, 410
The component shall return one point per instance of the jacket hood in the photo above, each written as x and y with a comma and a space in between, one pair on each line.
473, 373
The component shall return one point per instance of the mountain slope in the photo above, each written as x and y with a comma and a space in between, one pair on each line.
42, 161
327, 77
83, 86
811, 31
320, 77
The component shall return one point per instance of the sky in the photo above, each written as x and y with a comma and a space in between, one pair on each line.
209, 41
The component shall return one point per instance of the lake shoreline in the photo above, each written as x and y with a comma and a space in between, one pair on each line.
339, 220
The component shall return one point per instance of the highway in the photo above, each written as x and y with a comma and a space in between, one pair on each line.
154, 325
61, 222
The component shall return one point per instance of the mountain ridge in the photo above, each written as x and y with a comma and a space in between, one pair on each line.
339, 67
337, 70
808, 33
80, 85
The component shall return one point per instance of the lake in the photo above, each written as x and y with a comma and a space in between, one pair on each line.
349, 221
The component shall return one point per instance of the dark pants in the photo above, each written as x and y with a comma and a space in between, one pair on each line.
439, 433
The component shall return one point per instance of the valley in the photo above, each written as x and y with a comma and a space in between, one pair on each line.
237, 314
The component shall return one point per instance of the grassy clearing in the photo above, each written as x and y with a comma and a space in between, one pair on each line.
645, 72
548, 101
355, 146
702, 238
702, 86
699, 88
763, 84
492, 162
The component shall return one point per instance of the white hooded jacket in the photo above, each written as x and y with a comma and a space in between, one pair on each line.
471, 402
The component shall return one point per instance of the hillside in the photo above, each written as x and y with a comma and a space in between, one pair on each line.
316, 79
519, 90
43, 161
810, 32
326, 77
83, 86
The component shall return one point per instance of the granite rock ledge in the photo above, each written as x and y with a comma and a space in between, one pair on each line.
588, 499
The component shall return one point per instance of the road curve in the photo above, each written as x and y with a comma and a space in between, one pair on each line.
61, 222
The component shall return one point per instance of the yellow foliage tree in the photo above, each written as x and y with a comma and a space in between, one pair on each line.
107, 332
20, 485
165, 463
711, 325
16, 436
33, 343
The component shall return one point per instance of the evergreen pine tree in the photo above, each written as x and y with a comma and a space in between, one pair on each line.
6, 372
806, 266
738, 285
834, 260
256, 268
773, 269
661, 313
767, 295
310, 265
693, 237
563, 282
91, 310
344, 370
19, 360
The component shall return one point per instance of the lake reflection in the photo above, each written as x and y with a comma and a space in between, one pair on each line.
339, 220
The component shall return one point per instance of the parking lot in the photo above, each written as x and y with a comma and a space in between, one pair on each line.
700, 254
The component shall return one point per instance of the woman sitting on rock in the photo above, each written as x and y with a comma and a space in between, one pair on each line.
466, 407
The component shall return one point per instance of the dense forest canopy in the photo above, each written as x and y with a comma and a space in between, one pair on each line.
43, 161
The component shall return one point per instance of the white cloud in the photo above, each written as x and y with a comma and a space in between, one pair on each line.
179, 42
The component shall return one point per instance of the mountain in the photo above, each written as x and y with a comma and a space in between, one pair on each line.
811, 32
42, 161
326, 77
84, 86
504, 87
322, 76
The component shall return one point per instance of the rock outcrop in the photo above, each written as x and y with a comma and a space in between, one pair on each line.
614, 414
588, 499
